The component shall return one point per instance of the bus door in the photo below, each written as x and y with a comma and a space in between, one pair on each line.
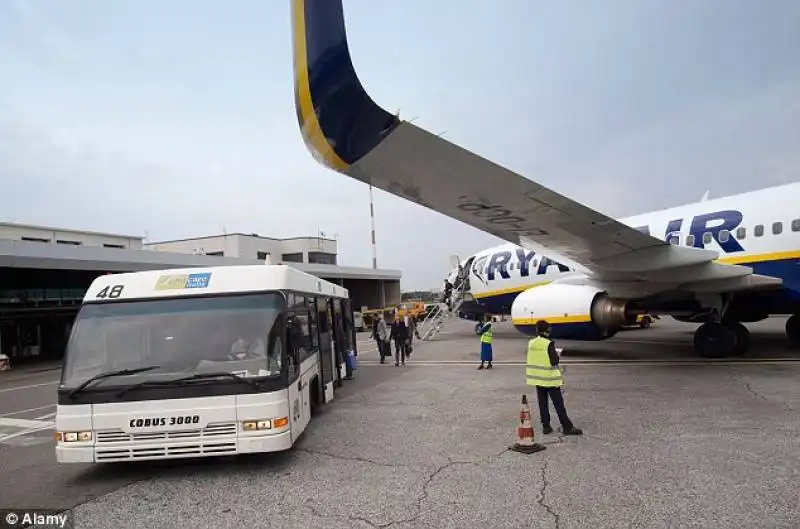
325, 348
340, 340
349, 326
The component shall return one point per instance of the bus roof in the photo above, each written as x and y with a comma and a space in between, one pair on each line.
153, 284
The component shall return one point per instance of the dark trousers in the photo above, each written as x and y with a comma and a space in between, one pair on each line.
399, 351
384, 349
542, 394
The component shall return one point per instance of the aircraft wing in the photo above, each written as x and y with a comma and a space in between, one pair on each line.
348, 132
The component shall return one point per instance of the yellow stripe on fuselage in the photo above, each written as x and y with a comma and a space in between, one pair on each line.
760, 258
312, 132
553, 320
511, 290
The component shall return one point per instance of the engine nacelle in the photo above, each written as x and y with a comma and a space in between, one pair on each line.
574, 312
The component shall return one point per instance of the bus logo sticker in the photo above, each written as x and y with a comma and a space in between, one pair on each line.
198, 280
181, 281
171, 282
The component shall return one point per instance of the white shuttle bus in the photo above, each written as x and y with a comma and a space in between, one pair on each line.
199, 362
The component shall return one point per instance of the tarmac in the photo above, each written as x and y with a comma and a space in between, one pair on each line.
670, 441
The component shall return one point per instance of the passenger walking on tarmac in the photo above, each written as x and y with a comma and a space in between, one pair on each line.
382, 337
486, 333
543, 372
399, 335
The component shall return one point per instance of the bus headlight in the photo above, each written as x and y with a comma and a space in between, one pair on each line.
261, 424
73, 437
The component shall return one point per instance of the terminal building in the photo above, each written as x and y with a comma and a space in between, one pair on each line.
44, 273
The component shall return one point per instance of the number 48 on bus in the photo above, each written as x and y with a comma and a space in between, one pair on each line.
110, 292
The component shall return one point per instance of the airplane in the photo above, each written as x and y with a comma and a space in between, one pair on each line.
765, 242
720, 262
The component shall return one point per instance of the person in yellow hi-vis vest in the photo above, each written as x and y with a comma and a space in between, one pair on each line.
485, 332
543, 372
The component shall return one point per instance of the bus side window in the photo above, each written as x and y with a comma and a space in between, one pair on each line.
313, 329
294, 341
303, 335
312, 323
322, 320
295, 301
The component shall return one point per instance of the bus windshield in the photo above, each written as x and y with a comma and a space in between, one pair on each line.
237, 334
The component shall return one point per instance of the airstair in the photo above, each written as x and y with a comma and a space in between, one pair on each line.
441, 313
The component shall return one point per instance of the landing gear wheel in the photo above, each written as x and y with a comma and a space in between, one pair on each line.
645, 323
742, 338
714, 340
793, 330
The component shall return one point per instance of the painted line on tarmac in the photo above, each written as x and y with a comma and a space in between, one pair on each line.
28, 426
651, 342
601, 363
30, 386
29, 431
23, 423
7, 414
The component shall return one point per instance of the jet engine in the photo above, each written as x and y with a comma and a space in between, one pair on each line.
574, 312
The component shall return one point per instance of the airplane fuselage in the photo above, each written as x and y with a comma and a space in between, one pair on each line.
760, 229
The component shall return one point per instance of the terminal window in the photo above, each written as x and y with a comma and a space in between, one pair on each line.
322, 258
292, 257
35, 239
73, 243
261, 256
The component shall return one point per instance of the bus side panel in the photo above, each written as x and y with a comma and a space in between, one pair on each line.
300, 396
295, 409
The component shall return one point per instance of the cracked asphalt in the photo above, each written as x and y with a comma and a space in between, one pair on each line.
666, 445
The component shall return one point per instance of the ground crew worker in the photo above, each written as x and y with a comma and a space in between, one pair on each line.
543, 372
486, 342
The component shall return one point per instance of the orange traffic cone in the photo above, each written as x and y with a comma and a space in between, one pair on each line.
525, 443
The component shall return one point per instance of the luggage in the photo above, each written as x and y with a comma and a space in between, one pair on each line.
351, 360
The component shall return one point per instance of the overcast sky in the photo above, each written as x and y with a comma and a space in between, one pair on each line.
176, 119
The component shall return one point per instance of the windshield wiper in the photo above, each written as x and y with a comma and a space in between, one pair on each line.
109, 374
182, 380
201, 376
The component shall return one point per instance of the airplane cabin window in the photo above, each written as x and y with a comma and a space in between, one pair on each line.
535, 264
796, 225
758, 231
777, 228
707, 238
690, 240
741, 233
724, 235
